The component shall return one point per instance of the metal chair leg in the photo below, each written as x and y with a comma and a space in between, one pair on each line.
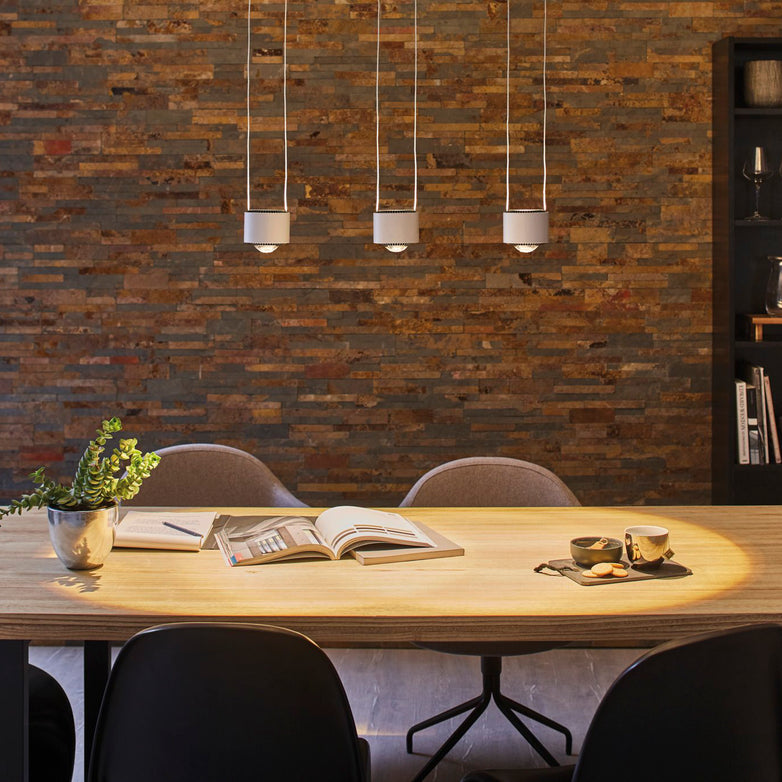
441, 717
533, 740
451, 741
538, 717
491, 668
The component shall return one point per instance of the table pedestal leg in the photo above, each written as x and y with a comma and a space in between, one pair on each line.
13, 711
97, 664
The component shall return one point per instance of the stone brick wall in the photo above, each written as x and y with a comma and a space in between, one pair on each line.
125, 287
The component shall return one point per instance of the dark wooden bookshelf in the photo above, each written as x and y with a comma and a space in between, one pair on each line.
740, 265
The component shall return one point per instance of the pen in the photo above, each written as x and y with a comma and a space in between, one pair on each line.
181, 529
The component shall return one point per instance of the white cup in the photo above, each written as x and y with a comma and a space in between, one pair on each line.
647, 546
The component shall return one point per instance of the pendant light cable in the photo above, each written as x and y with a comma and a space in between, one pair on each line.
545, 98
249, 60
507, 106
415, 109
285, 105
377, 114
284, 99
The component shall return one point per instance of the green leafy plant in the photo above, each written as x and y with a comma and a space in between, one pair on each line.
95, 484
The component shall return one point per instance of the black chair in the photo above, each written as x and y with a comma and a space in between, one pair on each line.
52, 734
200, 702
704, 708
486, 481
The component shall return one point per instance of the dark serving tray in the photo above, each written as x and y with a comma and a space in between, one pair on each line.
568, 567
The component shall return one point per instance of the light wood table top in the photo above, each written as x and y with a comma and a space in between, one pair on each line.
491, 593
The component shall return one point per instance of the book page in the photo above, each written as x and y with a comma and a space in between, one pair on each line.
247, 540
163, 530
346, 526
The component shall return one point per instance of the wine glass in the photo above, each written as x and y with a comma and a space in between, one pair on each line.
757, 170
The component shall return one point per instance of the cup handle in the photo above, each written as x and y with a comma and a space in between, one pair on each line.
668, 554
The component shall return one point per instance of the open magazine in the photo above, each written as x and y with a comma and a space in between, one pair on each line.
251, 540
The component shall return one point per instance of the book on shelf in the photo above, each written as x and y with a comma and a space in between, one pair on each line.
742, 430
174, 530
371, 536
754, 376
771, 421
755, 443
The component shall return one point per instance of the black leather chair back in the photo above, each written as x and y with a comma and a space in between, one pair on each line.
704, 708
214, 702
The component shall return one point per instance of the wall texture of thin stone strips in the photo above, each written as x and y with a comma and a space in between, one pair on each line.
125, 287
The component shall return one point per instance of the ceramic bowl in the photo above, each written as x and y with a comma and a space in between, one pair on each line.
586, 557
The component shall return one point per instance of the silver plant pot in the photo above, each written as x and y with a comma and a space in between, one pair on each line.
82, 539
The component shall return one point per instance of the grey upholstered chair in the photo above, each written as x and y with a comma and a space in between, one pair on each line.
212, 475
489, 482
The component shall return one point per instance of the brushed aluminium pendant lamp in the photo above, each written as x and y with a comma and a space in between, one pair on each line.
267, 229
525, 229
396, 228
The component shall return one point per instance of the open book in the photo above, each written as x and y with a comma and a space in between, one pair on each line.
250, 540
163, 530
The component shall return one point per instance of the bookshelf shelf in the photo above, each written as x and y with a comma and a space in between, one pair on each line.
742, 335
759, 224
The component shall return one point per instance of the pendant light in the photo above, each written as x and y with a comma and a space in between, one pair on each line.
267, 229
525, 229
396, 228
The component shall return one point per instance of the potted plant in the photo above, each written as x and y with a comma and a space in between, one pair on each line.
82, 516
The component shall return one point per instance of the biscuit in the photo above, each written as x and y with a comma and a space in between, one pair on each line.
602, 569
620, 573
589, 574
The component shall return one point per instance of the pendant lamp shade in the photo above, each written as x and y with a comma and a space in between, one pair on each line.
525, 229
395, 229
267, 229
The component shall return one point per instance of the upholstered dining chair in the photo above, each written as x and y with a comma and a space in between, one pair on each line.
208, 474
216, 702
486, 481
705, 707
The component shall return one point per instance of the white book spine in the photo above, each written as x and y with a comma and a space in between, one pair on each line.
742, 430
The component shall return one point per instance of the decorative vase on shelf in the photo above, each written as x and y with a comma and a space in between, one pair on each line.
774, 286
82, 539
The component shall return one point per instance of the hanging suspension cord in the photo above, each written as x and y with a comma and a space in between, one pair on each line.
507, 109
377, 113
545, 100
249, 58
415, 110
284, 99
285, 103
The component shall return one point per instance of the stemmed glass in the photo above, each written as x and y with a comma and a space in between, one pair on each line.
757, 170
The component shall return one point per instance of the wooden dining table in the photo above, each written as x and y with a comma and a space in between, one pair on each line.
492, 592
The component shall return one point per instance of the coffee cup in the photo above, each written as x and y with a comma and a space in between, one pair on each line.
647, 546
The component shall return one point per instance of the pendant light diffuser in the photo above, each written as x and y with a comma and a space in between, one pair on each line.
267, 229
395, 229
525, 229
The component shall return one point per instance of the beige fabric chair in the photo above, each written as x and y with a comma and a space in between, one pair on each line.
212, 475
489, 482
